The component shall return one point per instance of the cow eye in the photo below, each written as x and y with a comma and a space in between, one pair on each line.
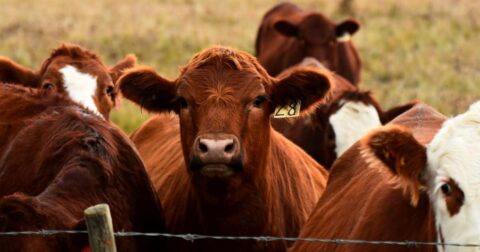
446, 189
182, 102
259, 101
110, 90
47, 86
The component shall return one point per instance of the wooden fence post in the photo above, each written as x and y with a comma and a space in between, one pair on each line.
100, 228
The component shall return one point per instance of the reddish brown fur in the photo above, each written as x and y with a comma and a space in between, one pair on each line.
313, 132
278, 185
57, 160
288, 34
381, 210
67, 54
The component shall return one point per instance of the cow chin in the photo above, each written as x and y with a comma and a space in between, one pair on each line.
215, 170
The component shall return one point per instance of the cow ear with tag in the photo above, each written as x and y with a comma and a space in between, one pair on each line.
298, 89
347, 27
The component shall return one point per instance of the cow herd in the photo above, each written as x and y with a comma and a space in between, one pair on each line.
215, 159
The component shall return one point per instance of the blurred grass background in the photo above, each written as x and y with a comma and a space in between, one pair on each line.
427, 50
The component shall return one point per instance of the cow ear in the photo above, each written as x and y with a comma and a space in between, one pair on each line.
12, 72
149, 90
388, 115
307, 84
349, 26
286, 28
396, 147
128, 62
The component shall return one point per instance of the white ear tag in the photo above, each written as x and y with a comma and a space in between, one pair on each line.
344, 38
291, 109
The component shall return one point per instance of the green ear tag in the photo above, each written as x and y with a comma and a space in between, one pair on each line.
291, 109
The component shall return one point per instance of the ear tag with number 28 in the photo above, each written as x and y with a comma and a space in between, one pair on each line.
291, 109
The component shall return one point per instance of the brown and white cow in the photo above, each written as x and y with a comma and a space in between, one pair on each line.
236, 176
75, 72
416, 179
335, 125
57, 159
288, 33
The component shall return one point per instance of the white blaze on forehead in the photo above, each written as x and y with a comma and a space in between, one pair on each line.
352, 121
454, 153
80, 86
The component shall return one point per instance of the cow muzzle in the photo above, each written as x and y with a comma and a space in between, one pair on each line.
216, 155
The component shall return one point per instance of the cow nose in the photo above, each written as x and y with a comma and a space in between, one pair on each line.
216, 149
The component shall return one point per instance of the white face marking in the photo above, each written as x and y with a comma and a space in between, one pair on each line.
80, 87
352, 121
454, 153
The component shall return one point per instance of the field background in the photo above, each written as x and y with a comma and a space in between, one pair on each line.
427, 50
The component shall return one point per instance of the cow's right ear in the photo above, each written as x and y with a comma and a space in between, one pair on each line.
14, 73
308, 85
286, 28
403, 155
149, 90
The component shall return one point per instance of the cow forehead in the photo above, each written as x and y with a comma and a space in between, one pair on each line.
353, 120
453, 153
81, 87
208, 82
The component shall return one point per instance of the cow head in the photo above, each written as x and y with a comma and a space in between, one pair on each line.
448, 169
73, 71
19, 212
224, 100
321, 39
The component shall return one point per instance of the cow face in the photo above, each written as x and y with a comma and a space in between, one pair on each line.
75, 72
319, 35
447, 169
224, 99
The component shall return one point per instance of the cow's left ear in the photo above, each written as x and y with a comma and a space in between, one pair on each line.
402, 154
14, 73
349, 26
390, 114
149, 90
307, 84
128, 62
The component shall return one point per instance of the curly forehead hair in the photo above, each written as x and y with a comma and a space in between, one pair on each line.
75, 52
225, 57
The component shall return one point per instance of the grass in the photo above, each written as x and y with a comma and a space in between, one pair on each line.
427, 50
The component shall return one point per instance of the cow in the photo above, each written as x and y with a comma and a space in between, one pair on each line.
333, 126
73, 71
219, 168
415, 179
288, 33
56, 160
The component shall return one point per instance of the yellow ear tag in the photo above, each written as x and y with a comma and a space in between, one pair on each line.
344, 38
291, 109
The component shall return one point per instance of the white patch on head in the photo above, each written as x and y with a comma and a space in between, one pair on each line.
454, 153
80, 87
345, 37
352, 121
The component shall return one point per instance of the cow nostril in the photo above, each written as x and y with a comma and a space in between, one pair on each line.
229, 148
203, 147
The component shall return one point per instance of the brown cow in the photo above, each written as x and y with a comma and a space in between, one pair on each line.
74, 71
59, 159
337, 124
287, 34
390, 187
237, 176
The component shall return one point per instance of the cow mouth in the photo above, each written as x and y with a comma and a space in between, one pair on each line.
216, 170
